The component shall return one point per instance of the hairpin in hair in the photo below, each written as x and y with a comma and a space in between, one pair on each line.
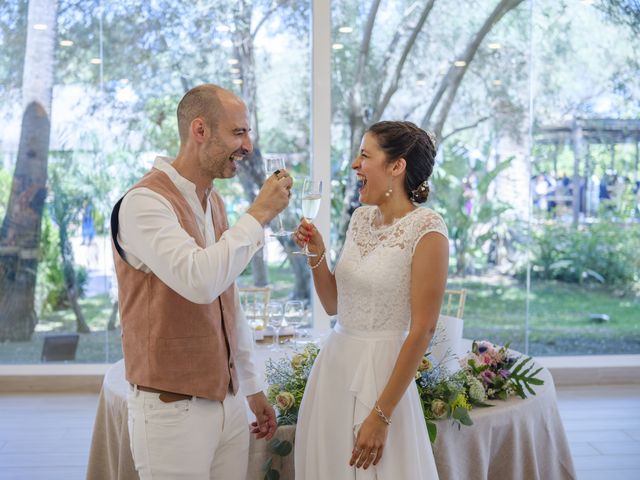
420, 190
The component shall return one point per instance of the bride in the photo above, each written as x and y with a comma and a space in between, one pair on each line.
361, 415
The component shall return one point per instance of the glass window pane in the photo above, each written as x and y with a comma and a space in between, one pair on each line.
584, 181
462, 74
116, 73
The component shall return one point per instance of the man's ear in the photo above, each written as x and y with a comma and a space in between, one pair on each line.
198, 130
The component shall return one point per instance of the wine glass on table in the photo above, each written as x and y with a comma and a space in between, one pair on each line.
275, 315
294, 314
311, 198
254, 314
273, 165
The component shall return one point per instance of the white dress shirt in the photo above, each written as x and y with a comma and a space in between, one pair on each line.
153, 240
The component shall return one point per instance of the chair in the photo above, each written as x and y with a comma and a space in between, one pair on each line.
253, 301
454, 302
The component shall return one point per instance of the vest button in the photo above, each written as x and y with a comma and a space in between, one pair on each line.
230, 365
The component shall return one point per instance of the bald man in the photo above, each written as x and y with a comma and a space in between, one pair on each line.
187, 349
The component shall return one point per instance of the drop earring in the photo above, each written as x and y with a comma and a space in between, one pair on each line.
389, 190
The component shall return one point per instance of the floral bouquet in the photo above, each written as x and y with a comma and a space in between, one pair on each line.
445, 395
287, 380
501, 372
488, 373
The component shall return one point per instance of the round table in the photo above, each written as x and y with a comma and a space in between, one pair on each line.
513, 440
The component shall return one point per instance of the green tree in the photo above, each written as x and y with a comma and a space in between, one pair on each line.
373, 79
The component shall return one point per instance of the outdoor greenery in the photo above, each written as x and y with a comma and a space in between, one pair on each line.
596, 253
483, 81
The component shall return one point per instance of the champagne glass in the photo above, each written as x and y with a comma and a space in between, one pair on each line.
311, 198
254, 314
293, 314
275, 314
273, 164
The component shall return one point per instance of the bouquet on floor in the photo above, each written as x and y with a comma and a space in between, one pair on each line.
501, 372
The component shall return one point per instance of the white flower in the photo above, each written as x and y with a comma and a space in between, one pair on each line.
476, 390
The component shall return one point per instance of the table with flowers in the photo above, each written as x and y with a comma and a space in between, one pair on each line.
513, 439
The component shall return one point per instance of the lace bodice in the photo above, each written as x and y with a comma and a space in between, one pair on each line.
373, 274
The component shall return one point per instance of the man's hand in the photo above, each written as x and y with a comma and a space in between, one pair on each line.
265, 424
272, 198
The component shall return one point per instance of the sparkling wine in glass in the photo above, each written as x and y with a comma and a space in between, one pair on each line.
273, 164
311, 198
275, 314
294, 314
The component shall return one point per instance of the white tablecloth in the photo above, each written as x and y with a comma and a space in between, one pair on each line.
514, 440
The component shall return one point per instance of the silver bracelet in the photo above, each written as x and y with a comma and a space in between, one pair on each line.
381, 414
313, 267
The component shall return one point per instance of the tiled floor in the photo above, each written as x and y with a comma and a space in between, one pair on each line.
46, 437
603, 428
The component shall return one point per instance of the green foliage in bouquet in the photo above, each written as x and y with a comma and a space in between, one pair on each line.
287, 380
442, 396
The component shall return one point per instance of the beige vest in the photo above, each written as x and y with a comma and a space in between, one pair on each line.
170, 343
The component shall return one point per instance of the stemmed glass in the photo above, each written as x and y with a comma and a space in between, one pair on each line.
275, 314
254, 314
311, 198
273, 164
293, 314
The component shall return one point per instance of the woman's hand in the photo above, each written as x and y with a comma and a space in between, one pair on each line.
307, 232
369, 442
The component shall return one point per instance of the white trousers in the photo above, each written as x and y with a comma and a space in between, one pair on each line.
193, 439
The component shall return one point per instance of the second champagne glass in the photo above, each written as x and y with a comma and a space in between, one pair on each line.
275, 314
311, 198
293, 314
272, 165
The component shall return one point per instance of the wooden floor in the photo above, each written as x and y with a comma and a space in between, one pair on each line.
46, 437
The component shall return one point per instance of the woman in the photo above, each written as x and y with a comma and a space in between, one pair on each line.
361, 415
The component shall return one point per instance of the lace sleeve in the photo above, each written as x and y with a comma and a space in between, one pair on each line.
428, 221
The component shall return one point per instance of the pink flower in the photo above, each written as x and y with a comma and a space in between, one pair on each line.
487, 377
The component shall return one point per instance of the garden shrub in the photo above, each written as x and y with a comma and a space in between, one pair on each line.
604, 253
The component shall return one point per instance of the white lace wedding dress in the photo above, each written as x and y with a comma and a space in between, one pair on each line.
374, 311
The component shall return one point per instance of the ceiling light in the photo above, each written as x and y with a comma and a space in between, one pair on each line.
237, 81
222, 28
421, 83
233, 61
497, 82
345, 29
227, 44
234, 70
96, 61
494, 46
66, 43
337, 46
460, 63
39, 26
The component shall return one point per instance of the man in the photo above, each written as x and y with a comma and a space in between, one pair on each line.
187, 347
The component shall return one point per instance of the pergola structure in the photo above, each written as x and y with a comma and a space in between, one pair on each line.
590, 131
